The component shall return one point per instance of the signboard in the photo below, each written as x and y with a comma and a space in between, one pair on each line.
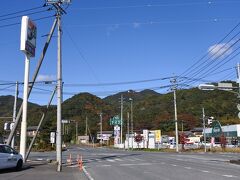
28, 36
105, 137
145, 134
52, 137
65, 121
116, 134
216, 129
158, 135
115, 121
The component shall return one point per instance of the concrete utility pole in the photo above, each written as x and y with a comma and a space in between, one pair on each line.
131, 100
238, 78
76, 132
121, 119
204, 130
128, 128
173, 81
59, 94
15, 111
101, 128
86, 126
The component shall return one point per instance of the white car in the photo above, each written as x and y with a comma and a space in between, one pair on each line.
9, 158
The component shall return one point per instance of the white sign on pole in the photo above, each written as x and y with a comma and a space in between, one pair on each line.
52, 137
28, 36
65, 121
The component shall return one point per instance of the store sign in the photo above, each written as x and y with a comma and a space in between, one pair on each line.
158, 135
216, 129
28, 36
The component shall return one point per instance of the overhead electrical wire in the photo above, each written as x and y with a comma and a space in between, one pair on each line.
22, 11
14, 17
193, 66
155, 5
18, 23
212, 69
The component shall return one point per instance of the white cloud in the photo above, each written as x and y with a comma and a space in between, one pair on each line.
42, 77
219, 50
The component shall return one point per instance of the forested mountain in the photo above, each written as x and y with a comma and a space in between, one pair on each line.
151, 110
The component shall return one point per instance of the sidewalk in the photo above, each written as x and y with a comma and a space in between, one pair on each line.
43, 171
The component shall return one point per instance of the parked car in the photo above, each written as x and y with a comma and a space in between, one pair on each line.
9, 158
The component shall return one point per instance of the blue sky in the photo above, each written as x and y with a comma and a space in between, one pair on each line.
110, 41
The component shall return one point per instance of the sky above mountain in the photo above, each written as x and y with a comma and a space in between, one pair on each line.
111, 46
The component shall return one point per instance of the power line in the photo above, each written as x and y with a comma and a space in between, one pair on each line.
22, 11
37, 12
154, 5
18, 23
189, 70
221, 63
118, 83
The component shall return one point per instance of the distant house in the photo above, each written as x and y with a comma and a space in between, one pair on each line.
31, 131
198, 131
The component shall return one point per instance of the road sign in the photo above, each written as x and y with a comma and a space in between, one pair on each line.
115, 121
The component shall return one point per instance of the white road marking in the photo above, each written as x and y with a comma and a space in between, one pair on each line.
229, 176
117, 159
141, 164
106, 165
173, 164
138, 159
205, 171
87, 174
187, 167
110, 160
179, 159
131, 160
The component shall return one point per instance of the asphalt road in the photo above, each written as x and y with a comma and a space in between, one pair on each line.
110, 164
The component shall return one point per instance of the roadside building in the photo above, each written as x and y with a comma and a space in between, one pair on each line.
230, 132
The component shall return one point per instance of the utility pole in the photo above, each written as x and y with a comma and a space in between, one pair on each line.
86, 126
76, 132
59, 93
121, 119
15, 111
128, 128
204, 130
101, 128
131, 100
173, 81
238, 79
